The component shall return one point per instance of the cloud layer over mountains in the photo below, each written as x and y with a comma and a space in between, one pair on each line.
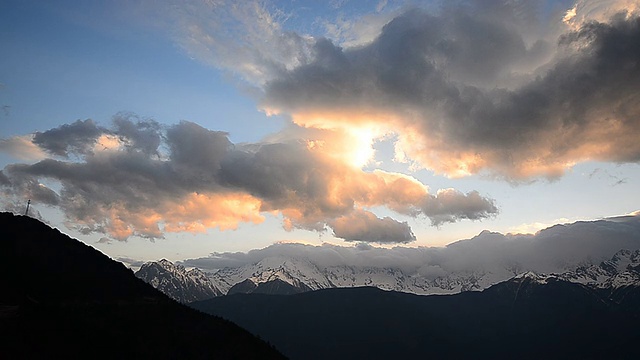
555, 249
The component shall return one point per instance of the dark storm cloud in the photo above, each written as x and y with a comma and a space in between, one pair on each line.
139, 178
466, 97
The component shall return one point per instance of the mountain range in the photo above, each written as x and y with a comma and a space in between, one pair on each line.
309, 312
587, 252
287, 275
63, 299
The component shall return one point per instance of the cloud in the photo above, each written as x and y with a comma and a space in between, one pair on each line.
554, 249
514, 89
131, 263
584, 11
22, 147
138, 178
104, 240
246, 38
17, 188
4, 180
359, 31
144, 135
363, 225
469, 91
78, 137
450, 205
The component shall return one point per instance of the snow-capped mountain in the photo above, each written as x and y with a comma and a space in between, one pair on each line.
302, 273
622, 270
287, 275
177, 282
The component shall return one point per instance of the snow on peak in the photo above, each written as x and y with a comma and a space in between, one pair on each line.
176, 282
533, 277
622, 269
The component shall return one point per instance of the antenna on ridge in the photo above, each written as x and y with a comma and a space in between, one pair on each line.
26, 213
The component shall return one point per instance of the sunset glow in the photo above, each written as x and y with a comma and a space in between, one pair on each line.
236, 125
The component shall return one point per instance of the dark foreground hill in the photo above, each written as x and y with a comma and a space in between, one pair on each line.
523, 318
60, 298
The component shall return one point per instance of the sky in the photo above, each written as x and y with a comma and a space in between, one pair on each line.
177, 129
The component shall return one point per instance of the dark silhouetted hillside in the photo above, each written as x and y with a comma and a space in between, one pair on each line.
60, 298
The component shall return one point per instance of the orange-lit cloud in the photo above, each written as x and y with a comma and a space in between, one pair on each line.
139, 179
584, 11
531, 107
223, 211
350, 133
194, 213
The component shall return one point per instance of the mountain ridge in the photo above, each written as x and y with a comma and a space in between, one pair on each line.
178, 283
62, 298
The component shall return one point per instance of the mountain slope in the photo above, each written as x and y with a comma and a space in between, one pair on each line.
623, 269
299, 273
526, 317
271, 287
178, 283
63, 299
